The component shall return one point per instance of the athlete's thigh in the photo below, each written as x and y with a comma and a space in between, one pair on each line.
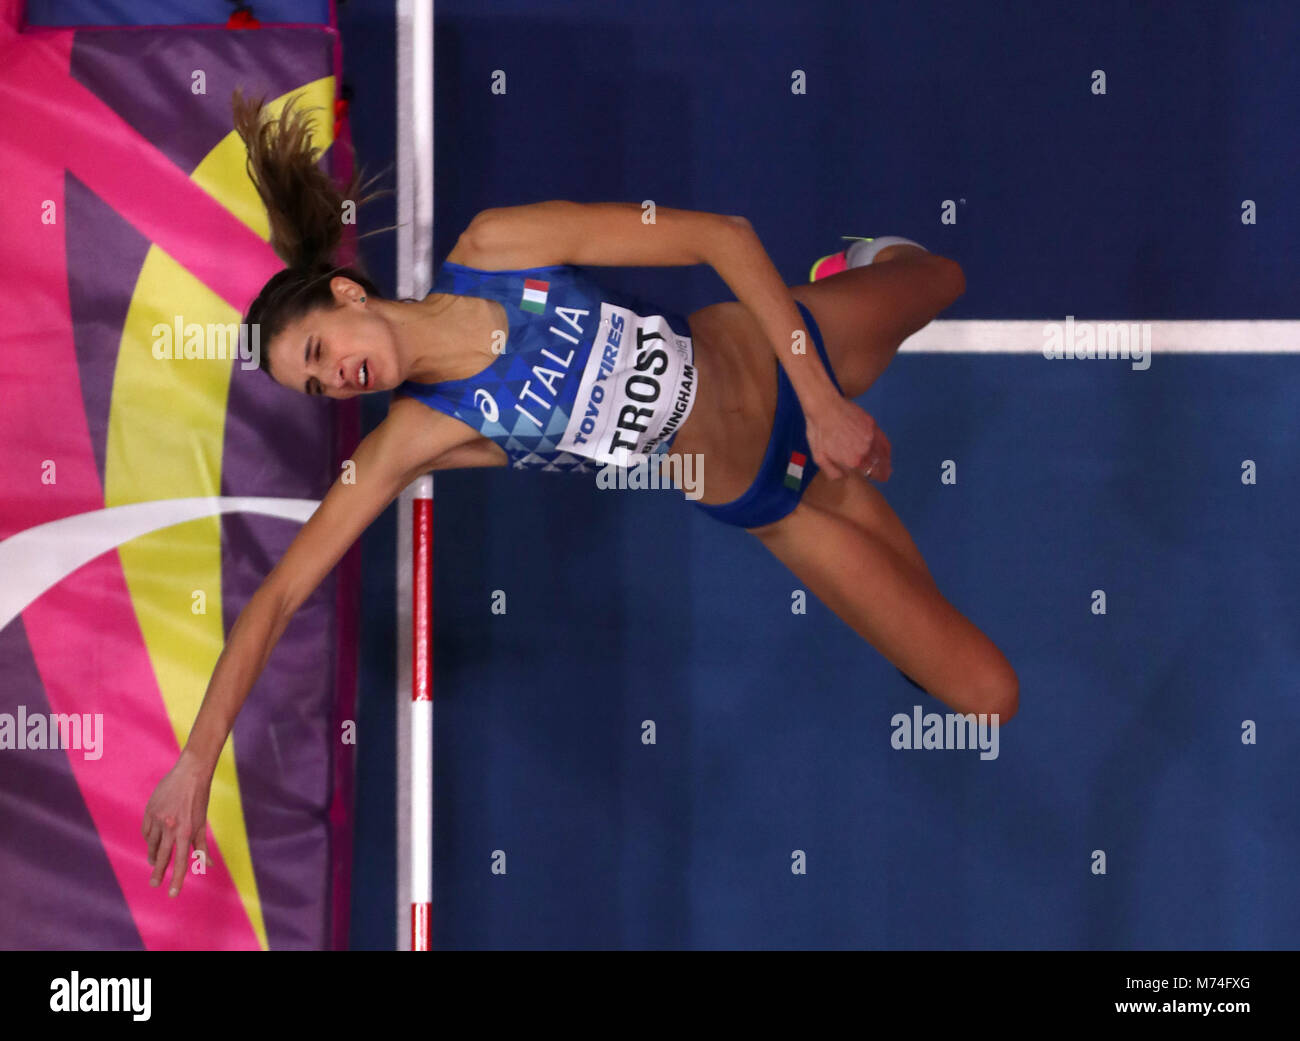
855, 499
865, 313
891, 605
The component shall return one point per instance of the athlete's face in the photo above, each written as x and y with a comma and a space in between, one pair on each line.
339, 351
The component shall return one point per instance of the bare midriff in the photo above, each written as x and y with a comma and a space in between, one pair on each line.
735, 401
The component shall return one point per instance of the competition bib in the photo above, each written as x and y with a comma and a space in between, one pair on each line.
636, 391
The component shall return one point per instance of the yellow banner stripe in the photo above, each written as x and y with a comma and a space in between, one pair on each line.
165, 434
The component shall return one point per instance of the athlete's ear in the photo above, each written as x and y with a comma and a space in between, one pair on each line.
345, 290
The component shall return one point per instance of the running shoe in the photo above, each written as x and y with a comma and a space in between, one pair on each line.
833, 263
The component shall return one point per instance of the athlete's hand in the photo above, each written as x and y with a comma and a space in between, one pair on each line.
844, 439
176, 817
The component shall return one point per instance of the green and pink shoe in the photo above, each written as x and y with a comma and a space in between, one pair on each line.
834, 263
862, 254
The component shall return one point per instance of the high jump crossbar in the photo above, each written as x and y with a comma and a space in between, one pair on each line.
415, 504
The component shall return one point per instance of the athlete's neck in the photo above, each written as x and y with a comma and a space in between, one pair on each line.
437, 336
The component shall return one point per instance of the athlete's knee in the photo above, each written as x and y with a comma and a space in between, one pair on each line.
952, 277
998, 690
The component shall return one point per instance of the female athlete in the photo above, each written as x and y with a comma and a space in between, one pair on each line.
518, 356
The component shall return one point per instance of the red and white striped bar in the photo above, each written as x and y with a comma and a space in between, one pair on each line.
421, 709
415, 716
415, 506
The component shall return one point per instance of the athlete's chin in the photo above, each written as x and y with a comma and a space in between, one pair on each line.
381, 374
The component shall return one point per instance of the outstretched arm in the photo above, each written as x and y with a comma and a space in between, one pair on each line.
405, 445
383, 466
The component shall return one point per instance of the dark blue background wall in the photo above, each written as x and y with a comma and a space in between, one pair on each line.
773, 729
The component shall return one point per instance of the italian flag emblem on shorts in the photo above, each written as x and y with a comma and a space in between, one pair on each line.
794, 472
534, 298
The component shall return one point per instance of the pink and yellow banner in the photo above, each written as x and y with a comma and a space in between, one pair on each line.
144, 498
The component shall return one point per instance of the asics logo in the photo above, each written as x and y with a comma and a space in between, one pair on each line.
486, 405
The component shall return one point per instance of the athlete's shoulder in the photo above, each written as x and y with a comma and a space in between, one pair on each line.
424, 420
415, 408
406, 407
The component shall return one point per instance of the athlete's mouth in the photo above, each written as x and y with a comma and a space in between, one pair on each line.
363, 375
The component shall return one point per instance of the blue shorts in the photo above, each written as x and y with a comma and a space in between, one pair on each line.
787, 465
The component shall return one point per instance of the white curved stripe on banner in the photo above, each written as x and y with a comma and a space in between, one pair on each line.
39, 558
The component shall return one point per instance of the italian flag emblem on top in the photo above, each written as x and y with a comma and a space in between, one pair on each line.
794, 472
534, 298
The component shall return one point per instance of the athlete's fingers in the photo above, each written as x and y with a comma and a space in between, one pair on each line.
164, 855
181, 866
871, 448
883, 461
153, 840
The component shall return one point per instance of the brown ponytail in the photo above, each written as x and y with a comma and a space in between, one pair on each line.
305, 210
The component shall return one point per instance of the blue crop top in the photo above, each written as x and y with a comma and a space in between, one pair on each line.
587, 376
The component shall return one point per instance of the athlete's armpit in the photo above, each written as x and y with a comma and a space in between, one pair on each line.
476, 454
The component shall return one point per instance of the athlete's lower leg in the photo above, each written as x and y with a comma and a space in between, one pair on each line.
865, 313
